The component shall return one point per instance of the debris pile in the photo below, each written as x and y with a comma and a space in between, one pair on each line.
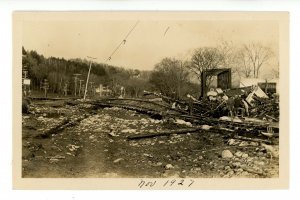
145, 138
266, 109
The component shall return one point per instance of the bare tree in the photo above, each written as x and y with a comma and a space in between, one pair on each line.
244, 67
169, 77
204, 59
252, 57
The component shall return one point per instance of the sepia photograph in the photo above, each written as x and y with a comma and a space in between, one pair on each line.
183, 97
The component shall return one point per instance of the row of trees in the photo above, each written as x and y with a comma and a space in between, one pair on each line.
60, 73
173, 77
170, 76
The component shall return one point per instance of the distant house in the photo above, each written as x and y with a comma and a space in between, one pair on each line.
268, 86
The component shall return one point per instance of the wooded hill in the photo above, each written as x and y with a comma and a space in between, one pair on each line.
60, 71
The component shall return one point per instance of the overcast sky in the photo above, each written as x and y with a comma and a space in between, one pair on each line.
148, 43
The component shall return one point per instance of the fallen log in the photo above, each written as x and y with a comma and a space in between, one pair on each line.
166, 132
61, 126
252, 139
273, 118
152, 113
145, 101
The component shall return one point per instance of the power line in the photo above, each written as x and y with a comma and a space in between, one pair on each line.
122, 42
166, 31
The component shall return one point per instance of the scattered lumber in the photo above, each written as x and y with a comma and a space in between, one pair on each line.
166, 132
252, 139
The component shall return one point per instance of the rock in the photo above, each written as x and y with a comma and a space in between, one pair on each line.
148, 155
238, 154
259, 163
169, 166
206, 127
112, 134
171, 174
230, 173
236, 119
270, 149
245, 173
245, 155
128, 131
239, 170
52, 160
232, 142
236, 164
158, 164
226, 154
260, 153
92, 137
40, 118
243, 144
200, 157
58, 157
182, 122
254, 143
98, 130
118, 160
227, 168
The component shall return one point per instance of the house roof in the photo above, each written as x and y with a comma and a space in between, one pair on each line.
250, 81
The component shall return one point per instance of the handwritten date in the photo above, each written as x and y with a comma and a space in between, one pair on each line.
166, 183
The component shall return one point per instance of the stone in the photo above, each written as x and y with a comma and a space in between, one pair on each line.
238, 154
254, 143
230, 173
92, 137
169, 166
118, 160
232, 142
243, 144
206, 127
245, 155
236, 164
40, 118
244, 173
226, 154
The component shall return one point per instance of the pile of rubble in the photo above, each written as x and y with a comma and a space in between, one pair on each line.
140, 137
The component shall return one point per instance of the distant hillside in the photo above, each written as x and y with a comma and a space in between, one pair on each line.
60, 72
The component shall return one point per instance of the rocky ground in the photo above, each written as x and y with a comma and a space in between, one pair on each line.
96, 145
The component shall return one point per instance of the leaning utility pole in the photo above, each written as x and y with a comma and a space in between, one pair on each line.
88, 76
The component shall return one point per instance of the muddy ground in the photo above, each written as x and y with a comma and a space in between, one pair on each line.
97, 146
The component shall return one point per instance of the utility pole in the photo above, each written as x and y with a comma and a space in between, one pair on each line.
92, 88
25, 72
75, 79
46, 87
80, 88
88, 76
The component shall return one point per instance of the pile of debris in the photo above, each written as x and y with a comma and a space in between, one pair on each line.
266, 109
